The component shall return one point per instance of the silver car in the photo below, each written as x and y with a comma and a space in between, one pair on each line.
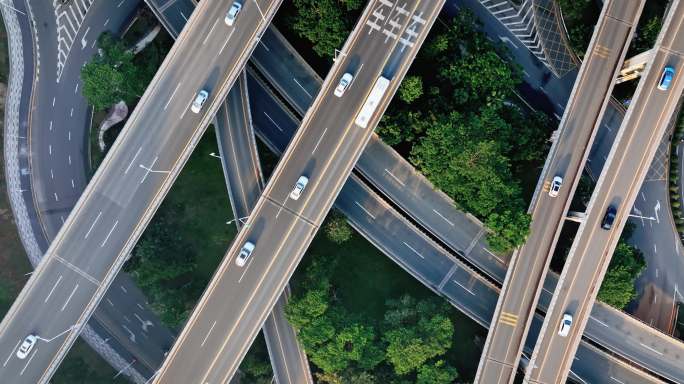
197, 104
299, 187
245, 253
233, 13
555, 186
343, 84
565, 324
27, 346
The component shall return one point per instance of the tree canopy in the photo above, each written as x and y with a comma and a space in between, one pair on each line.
112, 76
618, 286
325, 23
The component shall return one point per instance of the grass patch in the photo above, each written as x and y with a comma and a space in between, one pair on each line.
187, 238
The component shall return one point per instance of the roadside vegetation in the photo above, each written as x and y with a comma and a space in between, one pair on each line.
361, 319
116, 74
580, 17
674, 182
187, 238
454, 117
618, 288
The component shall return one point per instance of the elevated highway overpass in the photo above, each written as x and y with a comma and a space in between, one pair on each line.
128, 187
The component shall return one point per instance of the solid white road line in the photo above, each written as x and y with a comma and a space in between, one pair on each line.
395, 178
28, 362
11, 353
69, 298
210, 31
274, 123
319, 141
462, 286
208, 333
226, 42
651, 349
93, 224
414, 250
53, 289
365, 210
442, 216
109, 234
133, 160
172, 95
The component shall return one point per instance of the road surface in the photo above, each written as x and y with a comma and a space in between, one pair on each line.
325, 149
641, 132
128, 187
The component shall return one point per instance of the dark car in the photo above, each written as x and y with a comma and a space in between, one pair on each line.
609, 218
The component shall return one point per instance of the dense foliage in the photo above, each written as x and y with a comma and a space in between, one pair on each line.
325, 23
113, 76
618, 287
350, 348
337, 229
464, 133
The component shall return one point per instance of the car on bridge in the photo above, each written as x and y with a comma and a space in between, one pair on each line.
666, 78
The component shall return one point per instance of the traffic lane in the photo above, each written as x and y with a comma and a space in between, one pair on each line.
115, 321
223, 324
307, 82
90, 208
275, 126
518, 301
61, 115
175, 12
396, 178
58, 294
415, 252
145, 164
266, 127
616, 187
353, 138
332, 131
651, 348
626, 336
296, 82
591, 366
291, 362
234, 134
274, 123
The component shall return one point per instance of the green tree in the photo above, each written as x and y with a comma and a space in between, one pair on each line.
479, 79
417, 332
301, 310
325, 23
112, 76
102, 85
411, 88
337, 229
618, 286
510, 229
437, 373
402, 126
647, 34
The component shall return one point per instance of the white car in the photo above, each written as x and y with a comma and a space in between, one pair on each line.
197, 104
555, 186
27, 346
245, 253
343, 84
299, 187
233, 13
565, 325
